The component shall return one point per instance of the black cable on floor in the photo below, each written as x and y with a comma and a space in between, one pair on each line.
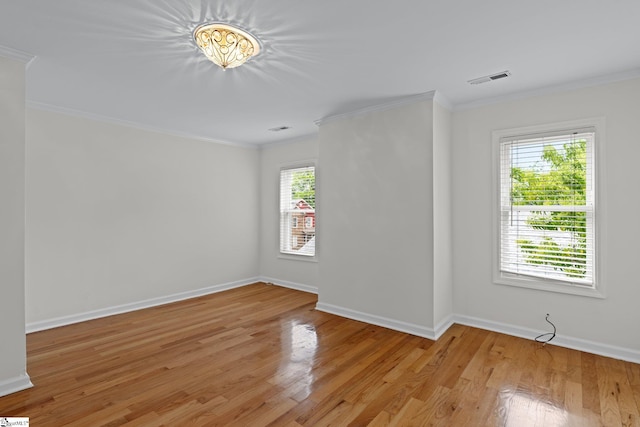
541, 338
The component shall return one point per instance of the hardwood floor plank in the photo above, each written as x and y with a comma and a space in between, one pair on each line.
609, 389
467, 408
573, 402
407, 412
486, 407
383, 419
269, 412
262, 355
429, 413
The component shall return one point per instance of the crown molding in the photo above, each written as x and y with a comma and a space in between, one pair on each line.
15, 54
297, 139
443, 100
407, 100
547, 90
111, 120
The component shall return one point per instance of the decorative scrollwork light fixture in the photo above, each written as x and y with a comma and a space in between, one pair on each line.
225, 45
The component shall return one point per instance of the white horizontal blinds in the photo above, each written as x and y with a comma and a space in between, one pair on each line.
298, 211
547, 206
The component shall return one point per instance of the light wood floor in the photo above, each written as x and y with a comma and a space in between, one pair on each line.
261, 355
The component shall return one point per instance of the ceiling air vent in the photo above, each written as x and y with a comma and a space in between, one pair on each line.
279, 128
496, 76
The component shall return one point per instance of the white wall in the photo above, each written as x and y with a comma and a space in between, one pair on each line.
302, 273
442, 216
376, 213
612, 321
13, 376
117, 215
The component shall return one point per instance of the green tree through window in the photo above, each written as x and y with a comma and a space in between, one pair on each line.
559, 179
303, 186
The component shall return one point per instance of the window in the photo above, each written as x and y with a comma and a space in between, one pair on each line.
546, 209
308, 221
297, 206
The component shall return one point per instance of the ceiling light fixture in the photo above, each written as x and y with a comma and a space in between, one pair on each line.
225, 45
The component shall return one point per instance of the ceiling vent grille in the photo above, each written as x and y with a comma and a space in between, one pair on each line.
492, 77
280, 128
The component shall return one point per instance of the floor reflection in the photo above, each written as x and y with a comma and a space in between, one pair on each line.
517, 408
299, 346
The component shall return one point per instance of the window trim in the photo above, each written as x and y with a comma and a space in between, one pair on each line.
546, 284
290, 256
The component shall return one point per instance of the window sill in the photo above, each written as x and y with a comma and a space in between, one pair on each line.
303, 258
549, 286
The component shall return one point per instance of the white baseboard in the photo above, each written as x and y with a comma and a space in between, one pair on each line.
442, 327
290, 285
15, 384
124, 308
385, 322
606, 350
600, 349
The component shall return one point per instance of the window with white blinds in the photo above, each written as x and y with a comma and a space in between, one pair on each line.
547, 207
298, 211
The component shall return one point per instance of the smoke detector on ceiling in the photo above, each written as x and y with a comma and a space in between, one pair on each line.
492, 77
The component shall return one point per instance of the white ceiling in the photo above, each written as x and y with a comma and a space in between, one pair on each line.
135, 60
